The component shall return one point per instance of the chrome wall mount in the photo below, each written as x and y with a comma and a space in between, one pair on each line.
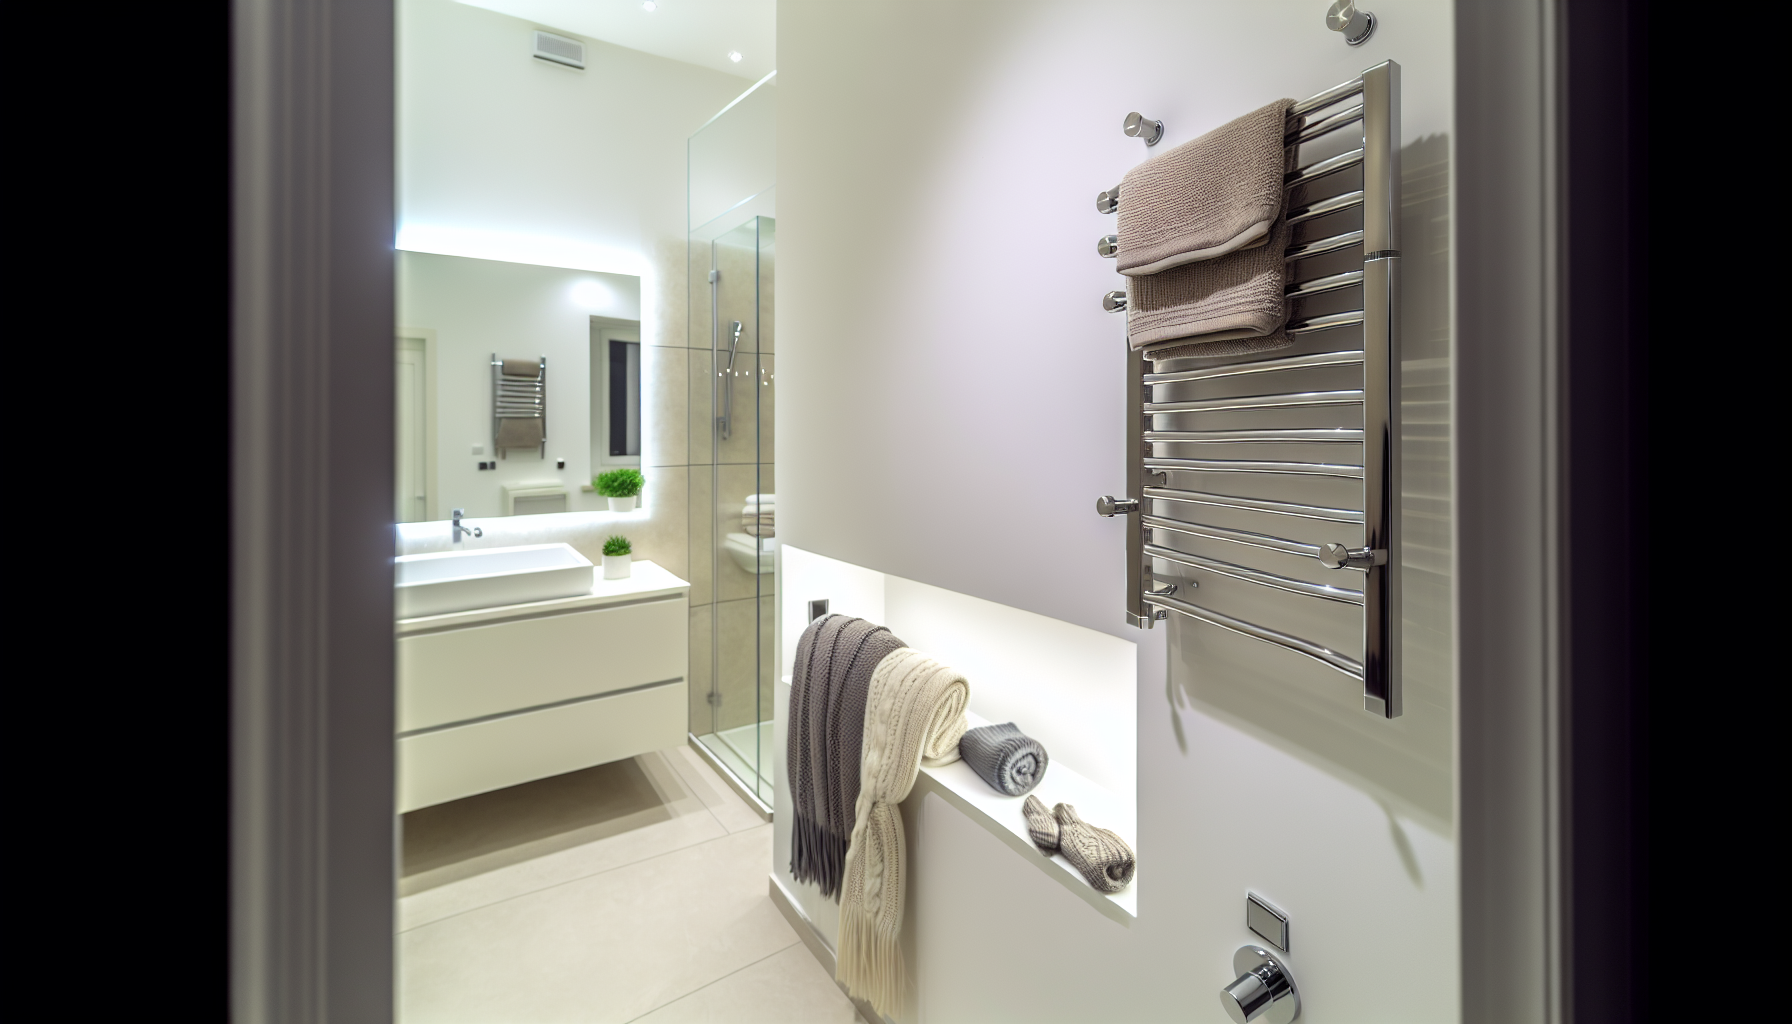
1264, 990
1155, 507
1138, 126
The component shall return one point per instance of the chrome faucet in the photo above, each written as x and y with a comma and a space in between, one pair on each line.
459, 529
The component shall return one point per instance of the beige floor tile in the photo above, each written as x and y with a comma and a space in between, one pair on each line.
606, 948
717, 795
788, 987
625, 835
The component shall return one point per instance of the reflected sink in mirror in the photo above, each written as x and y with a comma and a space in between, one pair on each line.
458, 581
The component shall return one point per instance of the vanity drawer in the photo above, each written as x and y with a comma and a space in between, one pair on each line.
462, 760
500, 667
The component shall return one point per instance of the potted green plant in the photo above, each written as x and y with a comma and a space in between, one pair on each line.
618, 553
621, 486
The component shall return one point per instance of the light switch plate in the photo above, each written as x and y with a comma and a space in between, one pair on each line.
1266, 921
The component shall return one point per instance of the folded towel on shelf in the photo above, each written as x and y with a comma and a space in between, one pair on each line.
530, 368
1009, 760
914, 715
1238, 298
835, 658
1205, 198
519, 432
1101, 857
762, 499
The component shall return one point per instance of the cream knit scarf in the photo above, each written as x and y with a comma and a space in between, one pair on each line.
914, 715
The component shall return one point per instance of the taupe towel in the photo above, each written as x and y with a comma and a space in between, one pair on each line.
516, 432
1205, 198
1238, 297
832, 675
530, 368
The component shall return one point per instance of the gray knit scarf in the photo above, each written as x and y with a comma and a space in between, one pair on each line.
834, 662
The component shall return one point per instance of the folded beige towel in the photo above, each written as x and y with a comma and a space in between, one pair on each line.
530, 368
1238, 297
516, 432
1205, 198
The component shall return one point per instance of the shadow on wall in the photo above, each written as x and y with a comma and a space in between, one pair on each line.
1308, 710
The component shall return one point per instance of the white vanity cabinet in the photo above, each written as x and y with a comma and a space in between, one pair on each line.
498, 696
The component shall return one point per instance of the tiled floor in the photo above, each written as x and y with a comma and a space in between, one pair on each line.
634, 891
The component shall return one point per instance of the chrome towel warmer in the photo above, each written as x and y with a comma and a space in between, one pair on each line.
1153, 503
519, 398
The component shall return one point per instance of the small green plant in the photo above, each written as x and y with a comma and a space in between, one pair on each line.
618, 545
619, 483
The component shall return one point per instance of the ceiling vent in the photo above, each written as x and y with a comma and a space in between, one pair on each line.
560, 49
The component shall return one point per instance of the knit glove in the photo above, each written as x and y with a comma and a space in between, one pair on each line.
1103, 858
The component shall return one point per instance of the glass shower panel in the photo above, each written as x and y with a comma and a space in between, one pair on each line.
733, 494
735, 727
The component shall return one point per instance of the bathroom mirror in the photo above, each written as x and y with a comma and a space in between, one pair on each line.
517, 383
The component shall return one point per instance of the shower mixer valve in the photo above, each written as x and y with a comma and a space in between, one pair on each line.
1264, 990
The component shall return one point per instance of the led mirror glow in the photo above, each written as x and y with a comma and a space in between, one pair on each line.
592, 295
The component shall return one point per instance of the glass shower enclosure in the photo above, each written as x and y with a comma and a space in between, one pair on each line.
732, 250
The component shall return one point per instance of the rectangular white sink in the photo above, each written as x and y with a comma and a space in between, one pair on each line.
458, 581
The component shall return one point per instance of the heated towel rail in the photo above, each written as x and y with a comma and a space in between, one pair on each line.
1163, 510
519, 398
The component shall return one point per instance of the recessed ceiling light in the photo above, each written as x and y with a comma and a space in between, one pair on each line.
734, 55
649, 6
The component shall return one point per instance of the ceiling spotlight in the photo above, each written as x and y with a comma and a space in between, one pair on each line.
649, 6
734, 55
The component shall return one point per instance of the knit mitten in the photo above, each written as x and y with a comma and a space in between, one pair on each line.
1104, 859
1041, 824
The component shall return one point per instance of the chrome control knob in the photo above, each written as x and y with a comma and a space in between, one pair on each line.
1138, 126
1108, 245
1337, 556
1114, 302
1108, 506
1264, 990
1357, 25
1109, 201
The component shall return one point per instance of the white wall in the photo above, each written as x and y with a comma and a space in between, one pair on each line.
953, 404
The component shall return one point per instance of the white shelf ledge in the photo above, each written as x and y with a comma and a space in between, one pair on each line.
1001, 815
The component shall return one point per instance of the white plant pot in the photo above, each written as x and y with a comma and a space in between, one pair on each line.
623, 505
616, 567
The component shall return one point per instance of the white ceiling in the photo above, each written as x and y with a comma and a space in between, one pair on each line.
699, 32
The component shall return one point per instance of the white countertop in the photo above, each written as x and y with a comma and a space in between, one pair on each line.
645, 582
1001, 815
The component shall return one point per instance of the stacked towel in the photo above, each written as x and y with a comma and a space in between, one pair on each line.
758, 517
1101, 857
1009, 760
914, 715
1202, 238
834, 661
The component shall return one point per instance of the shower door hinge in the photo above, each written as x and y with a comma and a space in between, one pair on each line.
714, 698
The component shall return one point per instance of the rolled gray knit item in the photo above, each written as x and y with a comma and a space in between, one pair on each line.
1009, 760
1103, 858
1041, 825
